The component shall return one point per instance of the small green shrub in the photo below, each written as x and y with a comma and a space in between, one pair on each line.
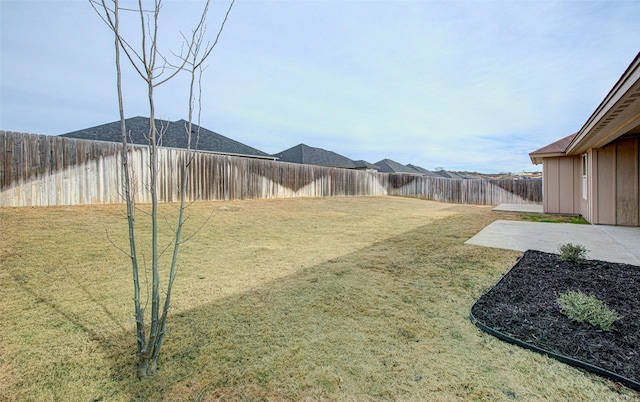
573, 252
581, 307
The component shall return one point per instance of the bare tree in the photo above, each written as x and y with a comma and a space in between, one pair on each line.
155, 69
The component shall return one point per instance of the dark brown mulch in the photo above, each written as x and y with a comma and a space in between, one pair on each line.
523, 306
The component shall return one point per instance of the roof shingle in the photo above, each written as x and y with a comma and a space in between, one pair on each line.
424, 171
390, 166
364, 164
558, 146
307, 155
173, 137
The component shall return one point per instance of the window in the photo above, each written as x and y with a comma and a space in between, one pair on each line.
584, 176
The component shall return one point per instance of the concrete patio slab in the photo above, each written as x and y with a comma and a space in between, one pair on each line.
607, 243
528, 208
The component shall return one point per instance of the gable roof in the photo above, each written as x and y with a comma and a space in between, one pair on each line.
364, 164
450, 175
174, 137
554, 149
424, 171
390, 166
307, 155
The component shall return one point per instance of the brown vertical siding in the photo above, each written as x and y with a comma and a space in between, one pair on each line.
613, 180
561, 191
604, 211
627, 182
551, 183
580, 204
566, 181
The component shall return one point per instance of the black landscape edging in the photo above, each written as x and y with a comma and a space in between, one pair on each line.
560, 357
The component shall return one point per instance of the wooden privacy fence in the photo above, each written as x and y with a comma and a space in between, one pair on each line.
472, 191
38, 170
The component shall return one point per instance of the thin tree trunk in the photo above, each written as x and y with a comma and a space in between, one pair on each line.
139, 313
144, 62
174, 260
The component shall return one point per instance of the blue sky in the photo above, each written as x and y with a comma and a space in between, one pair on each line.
453, 84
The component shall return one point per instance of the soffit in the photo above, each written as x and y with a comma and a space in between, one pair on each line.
618, 114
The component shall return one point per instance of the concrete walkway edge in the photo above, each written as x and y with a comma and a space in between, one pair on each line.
607, 243
526, 208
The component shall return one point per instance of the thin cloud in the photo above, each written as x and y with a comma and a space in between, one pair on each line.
461, 85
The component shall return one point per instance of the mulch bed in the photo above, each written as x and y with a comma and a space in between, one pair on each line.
522, 305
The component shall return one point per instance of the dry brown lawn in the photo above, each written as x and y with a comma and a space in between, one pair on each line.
295, 299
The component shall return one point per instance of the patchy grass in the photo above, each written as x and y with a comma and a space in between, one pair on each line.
300, 299
556, 219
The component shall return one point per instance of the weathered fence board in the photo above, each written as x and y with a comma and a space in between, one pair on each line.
38, 170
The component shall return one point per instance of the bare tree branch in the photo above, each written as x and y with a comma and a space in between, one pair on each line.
155, 69
208, 52
125, 252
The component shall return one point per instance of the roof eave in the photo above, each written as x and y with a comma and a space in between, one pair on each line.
536, 159
598, 130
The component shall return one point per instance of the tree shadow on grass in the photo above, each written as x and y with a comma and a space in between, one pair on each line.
113, 342
388, 321
358, 326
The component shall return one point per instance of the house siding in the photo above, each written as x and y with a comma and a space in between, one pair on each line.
605, 186
627, 165
616, 184
581, 204
613, 184
550, 187
586, 205
609, 141
560, 189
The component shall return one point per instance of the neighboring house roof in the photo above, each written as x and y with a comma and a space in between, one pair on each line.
307, 155
554, 149
449, 175
360, 164
174, 137
389, 166
443, 173
618, 114
424, 171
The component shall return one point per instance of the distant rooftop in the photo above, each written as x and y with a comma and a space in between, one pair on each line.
174, 137
390, 166
307, 155
362, 164
449, 175
424, 171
